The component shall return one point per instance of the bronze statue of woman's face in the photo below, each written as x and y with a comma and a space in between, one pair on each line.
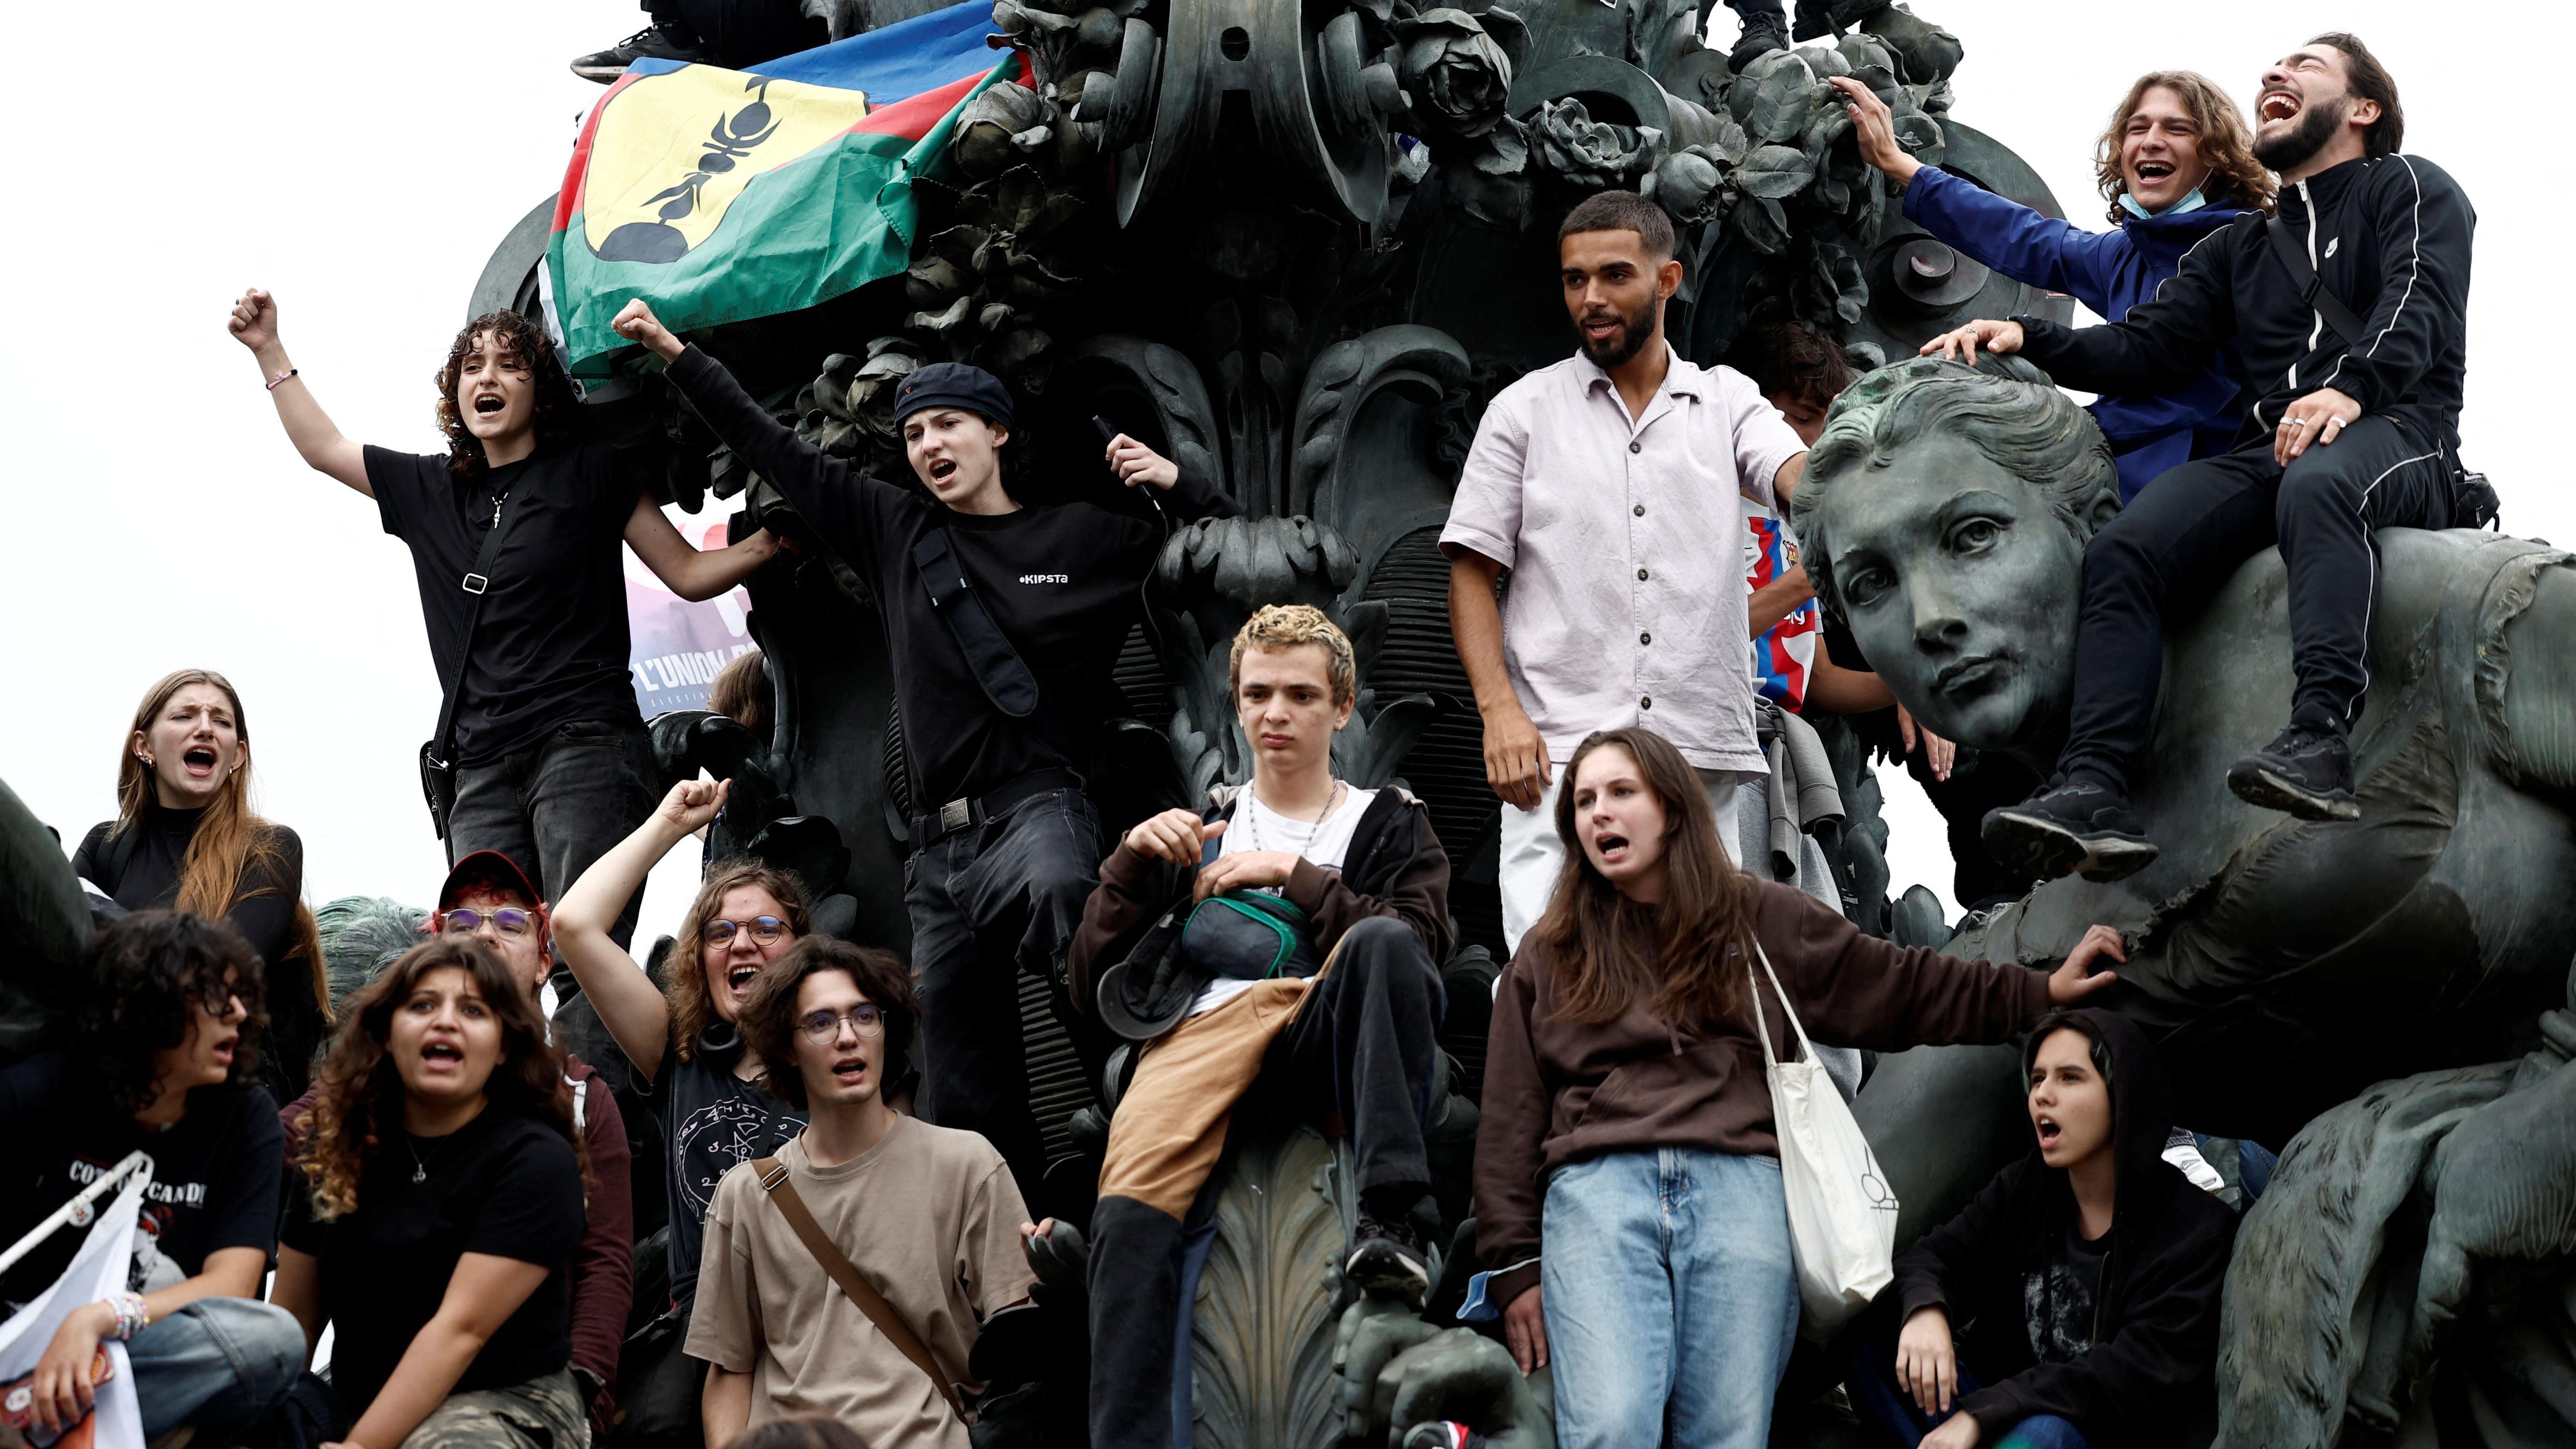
1961, 588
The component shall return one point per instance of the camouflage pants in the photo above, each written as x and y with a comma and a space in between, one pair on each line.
544, 1413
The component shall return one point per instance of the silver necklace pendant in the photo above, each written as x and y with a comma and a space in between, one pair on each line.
420, 1172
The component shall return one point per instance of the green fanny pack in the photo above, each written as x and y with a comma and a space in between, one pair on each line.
1249, 936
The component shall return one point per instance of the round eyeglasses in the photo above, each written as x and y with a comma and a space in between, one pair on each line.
508, 920
764, 929
867, 1021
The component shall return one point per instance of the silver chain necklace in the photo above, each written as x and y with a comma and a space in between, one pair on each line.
1332, 802
420, 1167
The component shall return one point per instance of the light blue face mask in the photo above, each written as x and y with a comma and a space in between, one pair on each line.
2192, 202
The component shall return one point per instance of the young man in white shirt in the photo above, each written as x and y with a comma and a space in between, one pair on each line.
1608, 486
1344, 1030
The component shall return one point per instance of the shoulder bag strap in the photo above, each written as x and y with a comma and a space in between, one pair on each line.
2312, 289
476, 583
1007, 682
773, 1181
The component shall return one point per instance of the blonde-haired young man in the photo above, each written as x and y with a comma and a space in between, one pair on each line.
1344, 1028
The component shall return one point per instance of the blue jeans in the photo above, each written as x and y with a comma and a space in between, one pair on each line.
1883, 1404
1670, 1298
219, 1363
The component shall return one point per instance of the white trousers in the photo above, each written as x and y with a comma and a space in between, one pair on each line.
1532, 855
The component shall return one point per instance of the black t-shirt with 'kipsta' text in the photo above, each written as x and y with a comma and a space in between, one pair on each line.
551, 648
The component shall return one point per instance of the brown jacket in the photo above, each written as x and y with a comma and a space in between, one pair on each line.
1559, 1091
1394, 867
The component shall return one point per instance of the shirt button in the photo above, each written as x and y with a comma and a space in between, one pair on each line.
1639, 510
1635, 447
1641, 576
1645, 701
1645, 638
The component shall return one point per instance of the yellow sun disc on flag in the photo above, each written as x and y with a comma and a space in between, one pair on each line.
672, 151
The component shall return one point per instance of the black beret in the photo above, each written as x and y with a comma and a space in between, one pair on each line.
953, 385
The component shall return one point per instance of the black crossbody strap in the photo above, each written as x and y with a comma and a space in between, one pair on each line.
2312, 289
1007, 681
476, 584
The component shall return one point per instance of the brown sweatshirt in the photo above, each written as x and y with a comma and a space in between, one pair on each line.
1559, 1091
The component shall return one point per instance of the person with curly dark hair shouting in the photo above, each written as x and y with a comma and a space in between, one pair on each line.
540, 754
439, 1210
164, 1058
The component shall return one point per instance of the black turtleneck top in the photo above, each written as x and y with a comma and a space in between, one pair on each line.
140, 871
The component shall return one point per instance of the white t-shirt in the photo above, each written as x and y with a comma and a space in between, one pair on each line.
1252, 825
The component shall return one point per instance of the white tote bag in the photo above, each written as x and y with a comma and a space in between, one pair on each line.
1842, 1214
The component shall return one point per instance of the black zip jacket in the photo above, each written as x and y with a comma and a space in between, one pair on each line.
2390, 235
1061, 582
2152, 1369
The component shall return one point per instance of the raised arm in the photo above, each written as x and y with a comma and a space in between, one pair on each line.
316, 438
628, 1002
828, 494
691, 572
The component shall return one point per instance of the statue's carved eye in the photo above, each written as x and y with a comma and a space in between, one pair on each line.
1865, 587
1975, 534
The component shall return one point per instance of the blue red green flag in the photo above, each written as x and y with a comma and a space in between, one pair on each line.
720, 195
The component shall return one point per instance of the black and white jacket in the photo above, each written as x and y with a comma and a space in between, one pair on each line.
2390, 235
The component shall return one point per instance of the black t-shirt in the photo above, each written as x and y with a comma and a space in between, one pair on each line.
1062, 583
140, 871
714, 1120
215, 1172
504, 1185
551, 648
2059, 1297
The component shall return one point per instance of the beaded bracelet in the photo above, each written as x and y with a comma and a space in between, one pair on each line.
131, 1316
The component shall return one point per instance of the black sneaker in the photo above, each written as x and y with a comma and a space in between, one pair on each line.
2305, 771
1387, 1257
1444, 1434
650, 43
2072, 825
1762, 34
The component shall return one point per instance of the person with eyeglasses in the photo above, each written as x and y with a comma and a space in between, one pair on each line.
928, 1215
488, 899
683, 1047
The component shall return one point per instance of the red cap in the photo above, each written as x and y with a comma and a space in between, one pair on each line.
495, 872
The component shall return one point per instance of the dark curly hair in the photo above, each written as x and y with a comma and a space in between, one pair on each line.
146, 972
358, 1090
526, 341
769, 1012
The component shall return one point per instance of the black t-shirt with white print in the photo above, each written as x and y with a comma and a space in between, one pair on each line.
215, 1172
713, 1120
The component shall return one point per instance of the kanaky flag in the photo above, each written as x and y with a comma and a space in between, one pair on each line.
720, 195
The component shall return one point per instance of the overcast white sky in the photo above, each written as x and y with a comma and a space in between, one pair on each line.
361, 160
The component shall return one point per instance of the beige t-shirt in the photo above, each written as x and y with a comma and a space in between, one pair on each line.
931, 1217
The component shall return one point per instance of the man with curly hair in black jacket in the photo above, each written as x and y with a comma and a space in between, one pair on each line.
164, 1060
2349, 310
540, 735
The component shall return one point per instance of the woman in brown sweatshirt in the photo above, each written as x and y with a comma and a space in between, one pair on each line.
1627, 1180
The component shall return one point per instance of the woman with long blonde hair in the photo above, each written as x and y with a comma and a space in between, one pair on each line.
2175, 164
185, 837
682, 1037
1628, 1189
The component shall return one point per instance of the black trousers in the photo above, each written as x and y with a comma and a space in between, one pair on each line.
1361, 1051
740, 33
988, 904
557, 806
2184, 536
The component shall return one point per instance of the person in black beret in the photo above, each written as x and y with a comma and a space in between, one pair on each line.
1003, 622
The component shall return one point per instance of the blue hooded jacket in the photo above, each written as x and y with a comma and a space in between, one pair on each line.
2109, 272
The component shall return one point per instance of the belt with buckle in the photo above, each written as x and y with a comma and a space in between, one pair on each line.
968, 811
